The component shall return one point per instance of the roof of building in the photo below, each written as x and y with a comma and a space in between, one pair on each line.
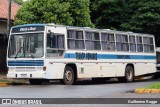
4, 9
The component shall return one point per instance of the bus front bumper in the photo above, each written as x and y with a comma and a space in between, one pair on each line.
27, 75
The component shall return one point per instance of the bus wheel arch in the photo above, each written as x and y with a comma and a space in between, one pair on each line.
70, 74
128, 74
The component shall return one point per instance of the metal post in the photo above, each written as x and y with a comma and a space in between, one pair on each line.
9, 17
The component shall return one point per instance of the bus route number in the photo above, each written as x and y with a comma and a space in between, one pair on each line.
87, 56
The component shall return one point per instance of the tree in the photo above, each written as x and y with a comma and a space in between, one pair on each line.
64, 12
44, 11
20, 2
80, 12
142, 16
107, 13
145, 18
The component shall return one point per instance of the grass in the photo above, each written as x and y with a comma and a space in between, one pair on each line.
153, 86
1, 80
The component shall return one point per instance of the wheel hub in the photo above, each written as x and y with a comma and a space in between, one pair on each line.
129, 74
68, 76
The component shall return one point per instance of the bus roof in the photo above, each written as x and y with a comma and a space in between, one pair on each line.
28, 25
84, 28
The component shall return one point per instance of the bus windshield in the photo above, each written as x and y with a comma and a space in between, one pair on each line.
29, 45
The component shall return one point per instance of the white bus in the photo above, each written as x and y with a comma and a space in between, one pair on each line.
41, 52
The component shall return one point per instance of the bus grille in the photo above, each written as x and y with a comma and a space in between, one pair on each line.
25, 68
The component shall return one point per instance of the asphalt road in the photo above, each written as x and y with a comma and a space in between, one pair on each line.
109, 89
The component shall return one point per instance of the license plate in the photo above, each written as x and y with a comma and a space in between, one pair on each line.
23, 75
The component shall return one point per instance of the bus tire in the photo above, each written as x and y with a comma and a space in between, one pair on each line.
129, 74
69, 77
35, 81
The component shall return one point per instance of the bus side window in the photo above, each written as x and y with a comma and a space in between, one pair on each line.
132, 43
75, 39
148, 44
139, 44
92, 40
48, 41
122, 42
55, 45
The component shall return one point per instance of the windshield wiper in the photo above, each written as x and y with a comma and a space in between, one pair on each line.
18, 52
31, 56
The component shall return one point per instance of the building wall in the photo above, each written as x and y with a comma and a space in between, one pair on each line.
3, 46
3, 51
3, 27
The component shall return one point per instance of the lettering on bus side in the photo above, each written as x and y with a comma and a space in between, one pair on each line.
123, 57
87, 56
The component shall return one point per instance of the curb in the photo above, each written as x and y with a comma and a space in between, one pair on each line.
145, 91
4, 84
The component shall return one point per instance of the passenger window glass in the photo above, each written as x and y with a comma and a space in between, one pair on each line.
55, 45
92, 41
148, 44
122, 42
107, 40
75, 39
139, 44
132, 43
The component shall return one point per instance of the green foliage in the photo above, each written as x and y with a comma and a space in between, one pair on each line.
20, 2
40, 11
66, 12
80, 12
141, 16
145, 17
107, 13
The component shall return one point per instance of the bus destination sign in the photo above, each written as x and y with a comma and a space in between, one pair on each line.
28, 29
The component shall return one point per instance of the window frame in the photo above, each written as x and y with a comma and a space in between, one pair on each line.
75, 39
122, 42
57, 50
148, 44
108, 42
138, 44
92, 40
132, 43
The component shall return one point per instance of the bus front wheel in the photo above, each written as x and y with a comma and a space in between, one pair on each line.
69, 77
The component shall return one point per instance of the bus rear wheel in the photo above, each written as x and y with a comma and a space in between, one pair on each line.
69, 77
129, 75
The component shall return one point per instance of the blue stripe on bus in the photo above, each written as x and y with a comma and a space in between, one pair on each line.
26, 63
112, 56
25, 25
